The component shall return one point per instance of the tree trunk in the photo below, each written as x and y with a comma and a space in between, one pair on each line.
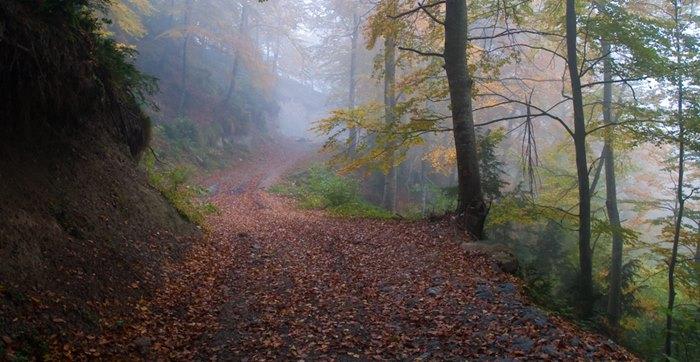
276, 58
242, 26
353, 82
185, 41
584, 233
471, 205
677, 228
668, 344
167, 53
696, 257
614, 309
423, 186
598, 171
390, 118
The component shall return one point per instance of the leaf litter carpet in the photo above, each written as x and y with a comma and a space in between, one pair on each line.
273, 282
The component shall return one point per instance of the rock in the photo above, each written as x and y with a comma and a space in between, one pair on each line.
213, 189
143, 345
424, 356
505, 359
506, 261
550, 350
384, 288
487, 319
483, 292
524, 344
500, 253
434, 291
535, 316
507, 288
512, 303
437, 279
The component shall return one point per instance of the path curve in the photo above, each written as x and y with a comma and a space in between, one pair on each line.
272, 281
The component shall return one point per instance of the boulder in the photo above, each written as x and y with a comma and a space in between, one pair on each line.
501, 254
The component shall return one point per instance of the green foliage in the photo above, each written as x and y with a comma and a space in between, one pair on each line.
184, 141
173, 184
118, 60
182, 131
540, 286
687, 331
644, 332
444, 200
387, 146
490, 166
319, 187
546, 251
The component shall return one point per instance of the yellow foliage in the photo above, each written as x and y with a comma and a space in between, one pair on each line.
442, 158
127, 16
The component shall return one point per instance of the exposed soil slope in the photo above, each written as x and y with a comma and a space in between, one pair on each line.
276, 282
82, 234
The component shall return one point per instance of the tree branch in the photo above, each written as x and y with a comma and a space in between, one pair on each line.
421, 6
420, 52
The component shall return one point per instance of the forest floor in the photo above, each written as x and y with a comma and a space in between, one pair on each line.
272, 281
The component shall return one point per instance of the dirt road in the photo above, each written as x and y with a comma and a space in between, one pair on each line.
275, 282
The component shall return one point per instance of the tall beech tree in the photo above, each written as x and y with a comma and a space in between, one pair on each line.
583, 55
579, 136
471, 199
235, 64
352, 73
185, 43
436, 36
471, 206
390, 115
682, 53
614, 306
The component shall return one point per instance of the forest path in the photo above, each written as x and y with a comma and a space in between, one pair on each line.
275, 282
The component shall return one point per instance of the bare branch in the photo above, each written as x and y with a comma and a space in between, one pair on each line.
622, 80
513, 32
423, 53
421, 6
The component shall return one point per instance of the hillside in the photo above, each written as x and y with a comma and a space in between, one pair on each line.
82, 234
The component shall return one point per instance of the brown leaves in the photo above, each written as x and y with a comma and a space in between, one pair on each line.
275, 282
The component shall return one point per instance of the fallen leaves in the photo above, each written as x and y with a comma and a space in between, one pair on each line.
274, 282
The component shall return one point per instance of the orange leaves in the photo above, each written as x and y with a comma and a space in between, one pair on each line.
275, 282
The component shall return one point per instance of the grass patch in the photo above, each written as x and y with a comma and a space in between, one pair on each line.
321, 188
173, 184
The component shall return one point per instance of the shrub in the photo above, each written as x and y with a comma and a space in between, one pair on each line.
319, 187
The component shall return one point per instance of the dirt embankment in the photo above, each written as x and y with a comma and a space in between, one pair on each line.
82, 234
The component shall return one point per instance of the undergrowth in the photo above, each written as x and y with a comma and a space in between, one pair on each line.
185, 141
320, 187
173, 184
